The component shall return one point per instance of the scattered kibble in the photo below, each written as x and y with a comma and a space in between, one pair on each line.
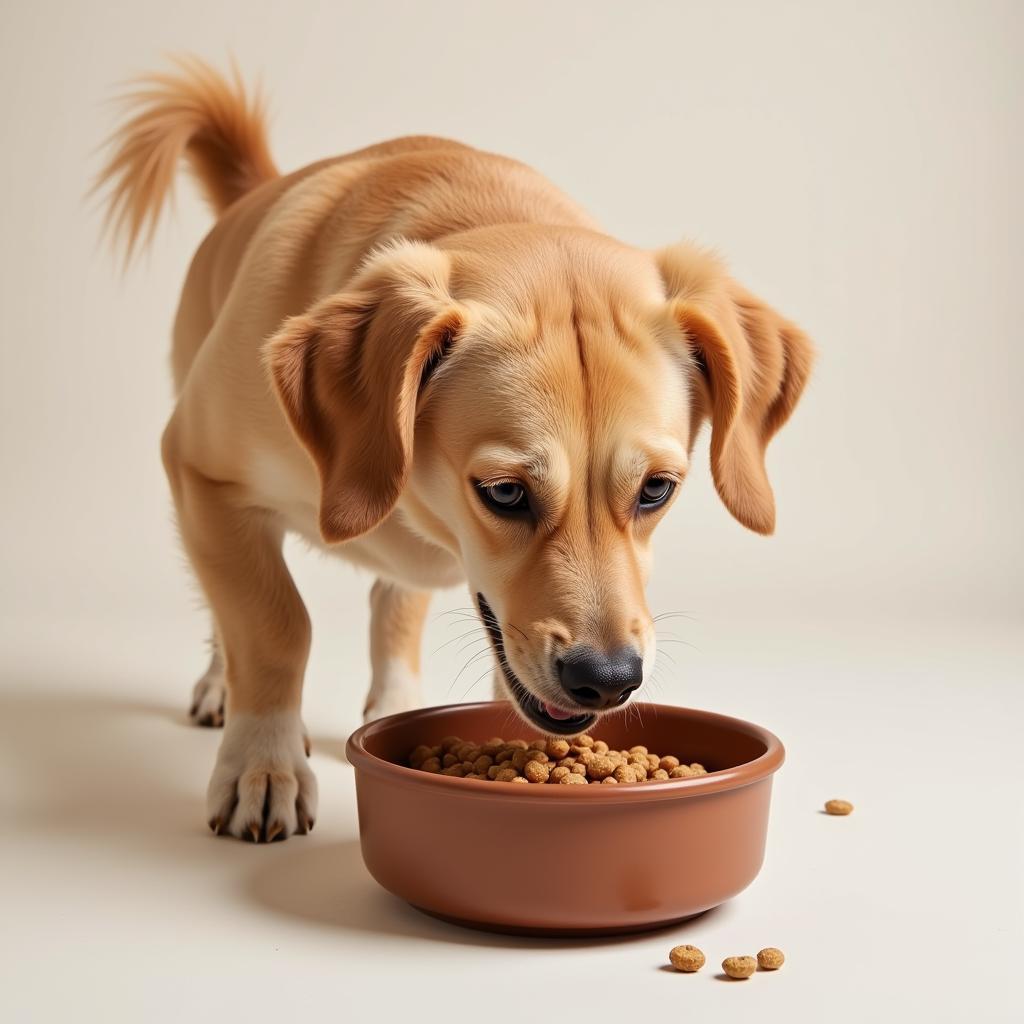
739, 966
836, 806
770, 958
544, 761
686, 958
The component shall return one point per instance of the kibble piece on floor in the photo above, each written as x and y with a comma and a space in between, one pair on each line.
686, 958
838, 806
739, 966
770, 958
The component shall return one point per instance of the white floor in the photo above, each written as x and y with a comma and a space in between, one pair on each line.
118, 904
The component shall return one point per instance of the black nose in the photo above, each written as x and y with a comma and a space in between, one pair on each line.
598, 680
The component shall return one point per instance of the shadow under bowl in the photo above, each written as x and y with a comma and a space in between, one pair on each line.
565, 860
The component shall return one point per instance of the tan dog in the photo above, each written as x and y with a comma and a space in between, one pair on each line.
429, 361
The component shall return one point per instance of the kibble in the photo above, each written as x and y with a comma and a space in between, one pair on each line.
770, 958
600, 767
686, 958
739, 966
546, 761
418, 756
558, 749
837, 806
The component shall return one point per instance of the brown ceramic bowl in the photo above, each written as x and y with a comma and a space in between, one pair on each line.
565, 859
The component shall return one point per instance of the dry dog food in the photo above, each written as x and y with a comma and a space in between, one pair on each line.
577, 762
838, 806
739, 966
770, 959
686, 958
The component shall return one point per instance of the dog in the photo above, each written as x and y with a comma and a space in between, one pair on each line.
428, 360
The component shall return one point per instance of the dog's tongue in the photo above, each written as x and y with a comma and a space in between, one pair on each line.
557, 713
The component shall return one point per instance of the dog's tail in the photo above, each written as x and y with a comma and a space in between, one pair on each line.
193, 112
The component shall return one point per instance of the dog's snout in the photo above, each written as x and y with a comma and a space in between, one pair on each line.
598, 680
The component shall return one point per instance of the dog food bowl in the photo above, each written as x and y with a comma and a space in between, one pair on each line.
553, 859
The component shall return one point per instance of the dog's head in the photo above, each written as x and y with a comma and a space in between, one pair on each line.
529, 400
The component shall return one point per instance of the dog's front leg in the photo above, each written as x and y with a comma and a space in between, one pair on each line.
261, 789
396, 629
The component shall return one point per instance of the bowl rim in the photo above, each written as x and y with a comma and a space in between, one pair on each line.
761, 767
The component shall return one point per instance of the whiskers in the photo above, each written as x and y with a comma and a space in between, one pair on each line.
663, 675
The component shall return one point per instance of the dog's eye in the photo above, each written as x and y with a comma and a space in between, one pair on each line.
506, 498
655, 492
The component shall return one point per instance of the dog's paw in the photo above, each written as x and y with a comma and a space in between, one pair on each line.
208, 694
399, 690
262, 789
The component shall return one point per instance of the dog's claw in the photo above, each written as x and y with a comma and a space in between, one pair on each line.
262, 789
207, 706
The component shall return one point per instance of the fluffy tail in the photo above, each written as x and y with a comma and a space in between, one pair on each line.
194, 112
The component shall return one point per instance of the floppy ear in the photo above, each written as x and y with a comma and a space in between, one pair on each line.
348, 373
753, 365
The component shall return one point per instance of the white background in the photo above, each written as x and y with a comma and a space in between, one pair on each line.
859, 166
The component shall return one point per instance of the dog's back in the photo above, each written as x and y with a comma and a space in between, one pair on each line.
220, 130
